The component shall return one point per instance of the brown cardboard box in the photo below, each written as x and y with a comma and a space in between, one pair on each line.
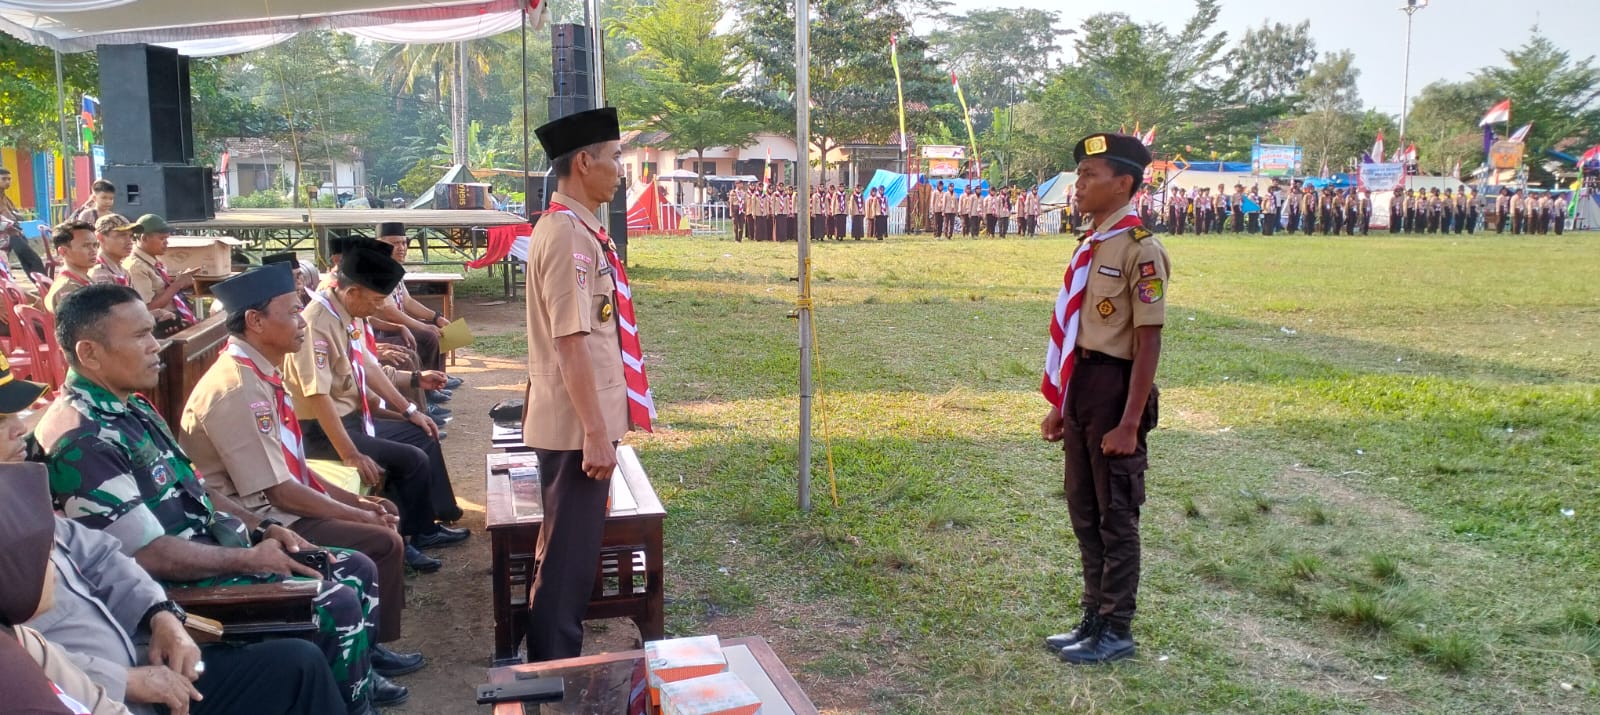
212, 254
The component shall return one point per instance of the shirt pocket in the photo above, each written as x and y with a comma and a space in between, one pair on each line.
1108, 300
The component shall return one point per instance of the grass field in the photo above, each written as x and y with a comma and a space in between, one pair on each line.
1374, 487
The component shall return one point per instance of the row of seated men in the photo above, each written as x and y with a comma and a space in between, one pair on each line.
230, 499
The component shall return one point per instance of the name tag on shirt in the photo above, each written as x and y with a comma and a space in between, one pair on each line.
1109, 271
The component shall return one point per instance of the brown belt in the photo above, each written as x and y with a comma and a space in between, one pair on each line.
1094, 356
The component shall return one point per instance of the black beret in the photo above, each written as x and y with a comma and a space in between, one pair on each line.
576, 131
255, 286
376, 270
286, 257
1121, 148
391, 228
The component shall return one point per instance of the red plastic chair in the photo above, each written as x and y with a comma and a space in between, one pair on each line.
49, 364
17, 351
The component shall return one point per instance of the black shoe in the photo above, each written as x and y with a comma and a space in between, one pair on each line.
451, 383
390, 664
1109, 643
1084, 629
437, 396
420, 562
441, 536
384, 692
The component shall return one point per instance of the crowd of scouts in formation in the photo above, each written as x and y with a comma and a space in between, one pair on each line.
1303, 209
770, 213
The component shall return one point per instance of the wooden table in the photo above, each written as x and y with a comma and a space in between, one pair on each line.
602, 684
437, 291
630, 582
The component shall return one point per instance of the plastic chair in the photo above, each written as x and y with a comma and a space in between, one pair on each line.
17, 351
49, 364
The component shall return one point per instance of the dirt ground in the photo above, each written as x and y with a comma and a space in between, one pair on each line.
448, 615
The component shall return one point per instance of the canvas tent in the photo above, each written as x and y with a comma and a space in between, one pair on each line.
1054, 191
221, 28
649, 212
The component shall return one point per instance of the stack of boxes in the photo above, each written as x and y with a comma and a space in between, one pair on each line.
689, 676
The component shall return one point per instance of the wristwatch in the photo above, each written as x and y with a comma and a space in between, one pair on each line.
260, 532
171, 607
411, 409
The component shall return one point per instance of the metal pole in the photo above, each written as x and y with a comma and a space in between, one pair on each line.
802, 188
527, 186
597, 62
61, 122
1405, 82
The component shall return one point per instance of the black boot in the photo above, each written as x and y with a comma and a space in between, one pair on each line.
390, 664
1085, 627
1109, 643
386, 693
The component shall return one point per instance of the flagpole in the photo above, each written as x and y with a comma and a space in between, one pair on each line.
1410, 9
802, 190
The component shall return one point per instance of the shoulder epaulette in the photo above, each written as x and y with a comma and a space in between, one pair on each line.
1140, 233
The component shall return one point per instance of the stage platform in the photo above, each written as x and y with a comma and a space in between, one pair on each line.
444, 237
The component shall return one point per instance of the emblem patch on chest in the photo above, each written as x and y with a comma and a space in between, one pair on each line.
1105, 307
605, 311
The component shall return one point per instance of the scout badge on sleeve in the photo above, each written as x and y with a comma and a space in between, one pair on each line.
263, 413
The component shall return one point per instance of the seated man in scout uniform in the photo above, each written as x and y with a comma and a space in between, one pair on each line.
423, 322
114, 233
114, 466
335, 382
75, 248
242, 433
162, 292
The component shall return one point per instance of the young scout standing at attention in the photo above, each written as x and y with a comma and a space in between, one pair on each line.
1100, 368
586, 380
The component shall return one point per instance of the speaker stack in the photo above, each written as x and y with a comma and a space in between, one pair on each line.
149, 134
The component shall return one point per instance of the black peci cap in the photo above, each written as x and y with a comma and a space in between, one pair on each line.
16, 394
286, 257
576, 131
391, 228
376, 270
1121, 148
255, 286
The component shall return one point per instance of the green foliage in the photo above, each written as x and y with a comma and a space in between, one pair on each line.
1001, 54
1444, 123
1546, 86
261, 200
1332, 106
29, 106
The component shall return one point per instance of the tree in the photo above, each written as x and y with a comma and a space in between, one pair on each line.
852, 83
685, 78
1002, 55
1128, 74
1444, 123
30, 115
1271, 61
1332, 115
1547, 87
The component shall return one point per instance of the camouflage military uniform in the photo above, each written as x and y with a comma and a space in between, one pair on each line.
115, 466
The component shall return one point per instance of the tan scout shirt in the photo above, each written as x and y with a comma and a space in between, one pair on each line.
230, 430
1127, 289
142, 274
571, 291
322, 366
105, 271
66, 283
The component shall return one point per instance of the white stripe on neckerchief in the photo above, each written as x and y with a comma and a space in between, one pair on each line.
358, 348
1061, 354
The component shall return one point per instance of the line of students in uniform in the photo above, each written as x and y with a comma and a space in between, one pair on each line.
1424, 211
763, 213
977, 211
1525, 213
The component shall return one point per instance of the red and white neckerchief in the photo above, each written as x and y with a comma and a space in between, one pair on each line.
356, 342
118, 276
641, 404
290, 437
72, 705
73, 276
179, 304
1062, 355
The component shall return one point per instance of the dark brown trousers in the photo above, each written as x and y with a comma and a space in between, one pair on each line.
568, 554
1104, 493
386, 549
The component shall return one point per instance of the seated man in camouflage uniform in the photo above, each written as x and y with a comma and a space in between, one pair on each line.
115, 466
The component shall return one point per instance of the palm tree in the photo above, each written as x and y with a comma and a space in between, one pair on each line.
452, 68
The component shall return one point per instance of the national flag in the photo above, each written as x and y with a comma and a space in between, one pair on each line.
1410, 155
1377, 146
766, 171
1398, 155
1149, 138
1592, 155
1521, 135
1497, 114
966, 114
222, 163
1456, 172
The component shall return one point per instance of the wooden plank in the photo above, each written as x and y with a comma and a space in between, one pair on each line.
349, 218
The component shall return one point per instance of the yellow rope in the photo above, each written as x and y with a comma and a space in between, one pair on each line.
804, 302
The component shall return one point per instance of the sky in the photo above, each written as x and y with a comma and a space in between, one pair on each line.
1450, 38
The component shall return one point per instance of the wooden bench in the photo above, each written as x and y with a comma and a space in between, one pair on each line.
185, 357
630, 582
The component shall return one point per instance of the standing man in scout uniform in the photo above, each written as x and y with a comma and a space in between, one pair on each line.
964, 210
75, 249
858, 211
1515, 210
819, 212
839, 204
335, 382
736, 211
1558, 213
936, 206
586, 380
115, 236
242, 433
163, 293
1099, 379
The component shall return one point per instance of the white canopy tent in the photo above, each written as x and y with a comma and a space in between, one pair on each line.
222, 28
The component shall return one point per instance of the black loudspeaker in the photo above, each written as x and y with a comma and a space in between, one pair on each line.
569, 35
176, 193
563, 106
570, 59
145, 90
571, 84
618, 228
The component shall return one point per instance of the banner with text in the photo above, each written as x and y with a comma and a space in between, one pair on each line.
1382, 177
1276, 159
